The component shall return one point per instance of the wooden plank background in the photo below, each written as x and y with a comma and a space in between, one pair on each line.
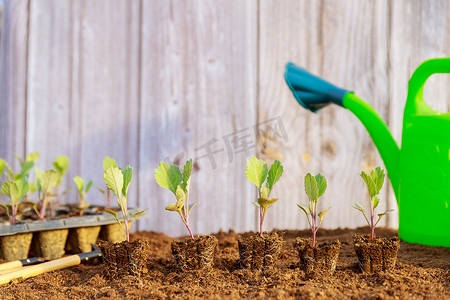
144, 81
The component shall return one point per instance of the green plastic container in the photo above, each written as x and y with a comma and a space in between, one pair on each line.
420, 171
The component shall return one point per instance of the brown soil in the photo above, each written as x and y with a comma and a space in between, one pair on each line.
321, 258
421, 272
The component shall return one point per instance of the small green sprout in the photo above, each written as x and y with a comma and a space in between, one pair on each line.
118, 181
60, 165
315, 187
82, 192
170, 177
374, 183
107, 162
257, 172
45, 183
15, 190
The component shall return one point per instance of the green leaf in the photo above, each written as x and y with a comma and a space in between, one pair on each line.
311, 187
168, 176
323, 213
79, 182
19, 159
377, 176
359, 207
26, 167
187, 170
5, 208
32, 157
61, 164
49, 180
88, 186
32, 187
191, 206
266, 203
180, 194
22, 187
176, 207
3, 165
256, 171
101, 191
371, 186
127, 176
304, 208
114, 180
374, 201
265, 192
256, 204
385, 213
38, 178
136, 216
321, 184
6, 188
108, 162
275, 172
113, 213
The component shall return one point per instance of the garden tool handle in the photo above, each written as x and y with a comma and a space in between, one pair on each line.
35, 270
420, 76
20, 263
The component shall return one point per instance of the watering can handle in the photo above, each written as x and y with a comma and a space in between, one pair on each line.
418, 79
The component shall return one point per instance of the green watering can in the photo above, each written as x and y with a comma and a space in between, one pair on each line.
420, 170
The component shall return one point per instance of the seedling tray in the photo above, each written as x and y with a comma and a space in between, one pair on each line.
101, 218
51, 238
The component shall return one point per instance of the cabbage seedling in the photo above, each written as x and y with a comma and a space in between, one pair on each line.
257, 172
170, 177
60, 165
315, 186
15, 190
118, 181
374, 183
107, 162
82, 192
45, 183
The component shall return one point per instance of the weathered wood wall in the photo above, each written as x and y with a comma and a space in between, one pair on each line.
145, 81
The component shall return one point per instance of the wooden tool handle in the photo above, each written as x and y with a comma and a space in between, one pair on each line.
19, 263
31, 271
11, 265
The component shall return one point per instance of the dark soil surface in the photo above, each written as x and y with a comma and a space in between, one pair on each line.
422, 272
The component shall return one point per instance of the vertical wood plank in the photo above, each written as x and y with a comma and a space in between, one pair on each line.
108, 90
426, 36
197, 86
13, 79
51, 113
89, 52
346, 43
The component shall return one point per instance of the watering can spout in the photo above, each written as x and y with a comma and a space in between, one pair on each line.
314, 93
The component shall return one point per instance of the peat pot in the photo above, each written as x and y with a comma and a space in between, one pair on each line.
377, 255
195, 254
256, 252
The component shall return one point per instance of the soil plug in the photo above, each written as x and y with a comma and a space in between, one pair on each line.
193, 253
316, 258
261, 251
125, 257
374, 254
